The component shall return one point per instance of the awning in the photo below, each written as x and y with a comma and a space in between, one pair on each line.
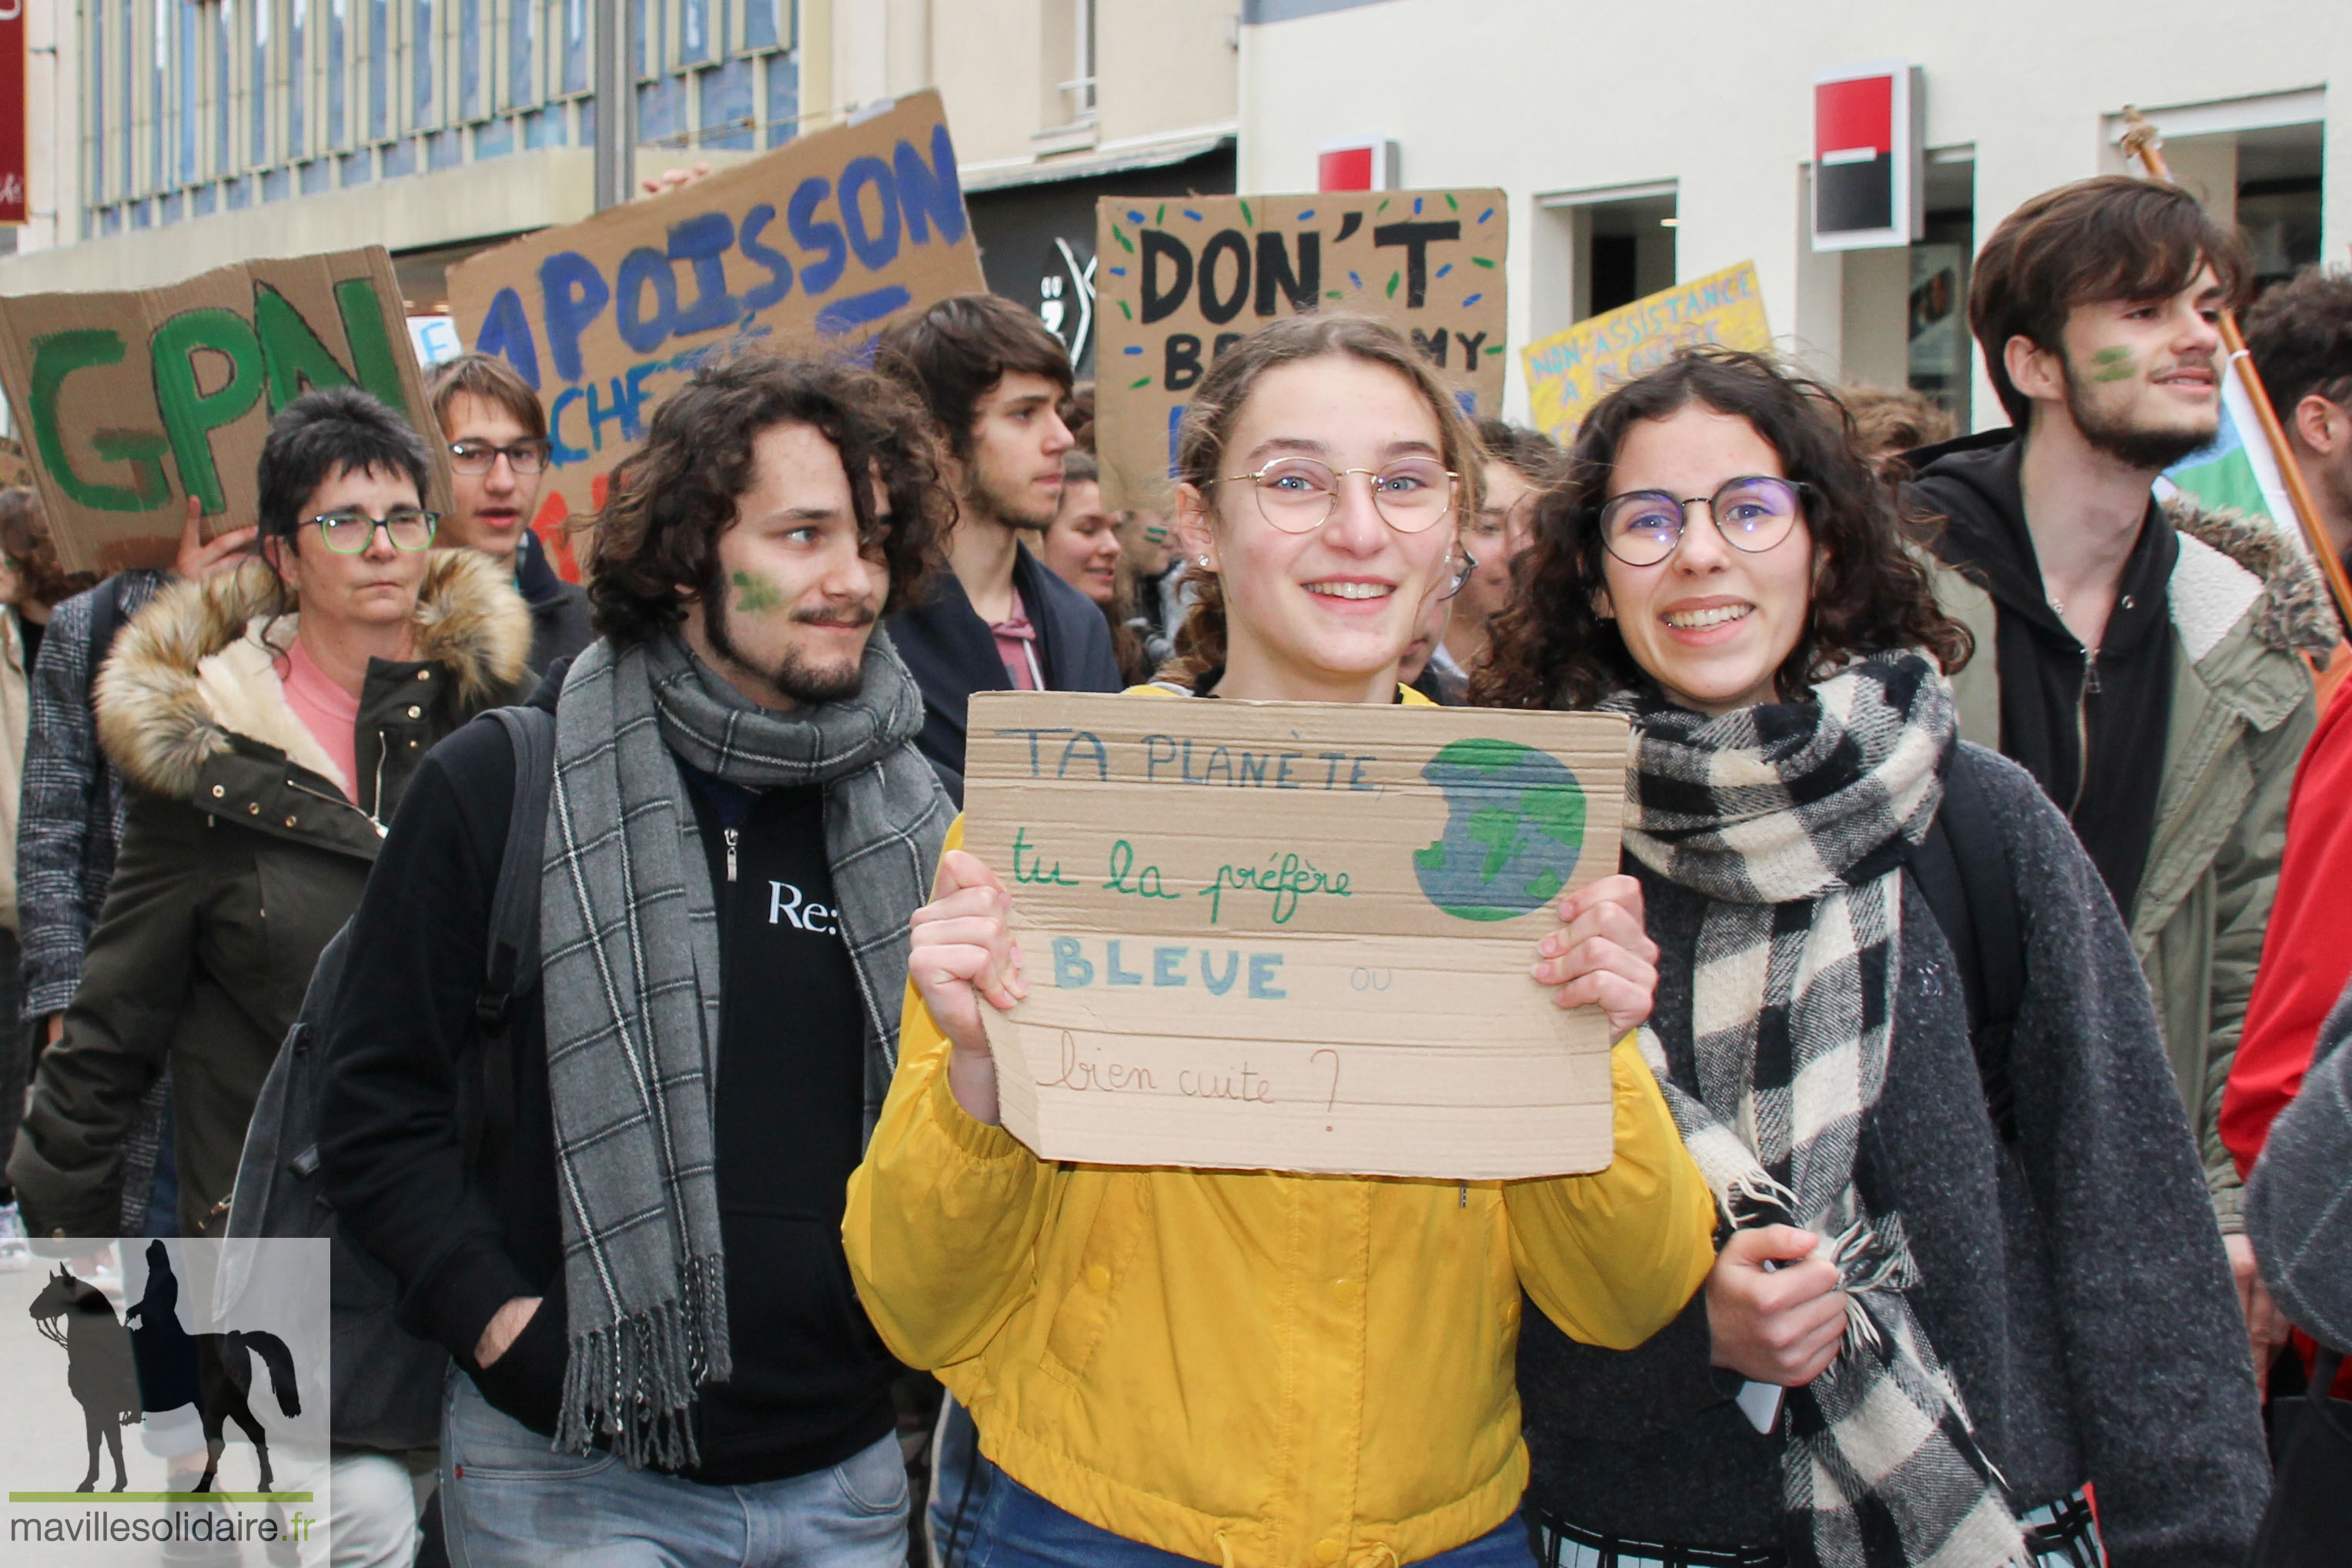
1062, 169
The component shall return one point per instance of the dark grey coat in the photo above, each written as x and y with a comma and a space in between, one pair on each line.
2299, 1199
2074, 1281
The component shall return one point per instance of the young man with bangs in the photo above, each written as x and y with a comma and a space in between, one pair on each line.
739, 828
992, 380
2139, 658
499, 450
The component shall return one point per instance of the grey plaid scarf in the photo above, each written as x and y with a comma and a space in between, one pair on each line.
630, 984
1794, 820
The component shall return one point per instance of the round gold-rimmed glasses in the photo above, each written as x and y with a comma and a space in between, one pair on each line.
1296, 494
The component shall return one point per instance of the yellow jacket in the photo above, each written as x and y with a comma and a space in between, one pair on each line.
1249, 1367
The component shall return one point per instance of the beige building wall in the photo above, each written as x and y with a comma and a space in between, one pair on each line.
1712, 100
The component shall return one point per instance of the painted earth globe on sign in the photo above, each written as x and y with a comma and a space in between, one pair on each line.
1514, 826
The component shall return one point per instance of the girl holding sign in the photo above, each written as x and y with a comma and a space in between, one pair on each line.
1970, 1238
1251, 1367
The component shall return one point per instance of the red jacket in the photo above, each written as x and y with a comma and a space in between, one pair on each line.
2307, 951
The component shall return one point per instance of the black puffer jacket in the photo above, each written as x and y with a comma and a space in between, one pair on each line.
239, 860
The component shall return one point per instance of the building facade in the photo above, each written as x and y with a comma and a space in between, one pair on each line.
1646, 145
170, 136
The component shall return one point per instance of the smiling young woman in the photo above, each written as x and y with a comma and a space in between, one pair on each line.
1964, 1218
1171, 1365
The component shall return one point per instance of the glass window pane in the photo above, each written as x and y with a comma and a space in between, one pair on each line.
97, 104
728, 117
335, 127
256, 89
522, 26
420, 48
495, 138
759, 29
543, 127
693, 30
188, 122
159, 74
129, 98
575, 44
379, 72
646, 45
469, 59
660, 111
783, 99
297, 80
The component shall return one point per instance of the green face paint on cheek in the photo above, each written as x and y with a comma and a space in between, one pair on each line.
2115, 364
756, 593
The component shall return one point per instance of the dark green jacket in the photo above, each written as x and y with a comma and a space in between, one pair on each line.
240, 858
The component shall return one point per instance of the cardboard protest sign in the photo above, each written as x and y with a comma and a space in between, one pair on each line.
820, 242
1179, 282
129, 401
1295, 935
1569, 371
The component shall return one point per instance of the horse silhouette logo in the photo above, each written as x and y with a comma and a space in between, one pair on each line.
121, 1370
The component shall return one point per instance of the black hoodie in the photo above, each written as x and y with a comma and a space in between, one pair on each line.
2089, 725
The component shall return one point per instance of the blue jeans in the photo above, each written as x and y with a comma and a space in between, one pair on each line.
507, 1499
1018, 1529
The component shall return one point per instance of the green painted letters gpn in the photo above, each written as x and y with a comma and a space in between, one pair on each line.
190, 414
56, 356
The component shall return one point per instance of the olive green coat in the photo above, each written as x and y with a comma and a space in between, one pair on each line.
2244, 608
240, 858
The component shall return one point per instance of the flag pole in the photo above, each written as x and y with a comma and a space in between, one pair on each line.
2140, 140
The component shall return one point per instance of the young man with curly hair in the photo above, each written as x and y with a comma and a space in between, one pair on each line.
640, 1279
2142, 661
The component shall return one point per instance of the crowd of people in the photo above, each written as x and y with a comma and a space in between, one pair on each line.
1973, 937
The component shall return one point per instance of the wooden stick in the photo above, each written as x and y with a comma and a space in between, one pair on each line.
2140, 140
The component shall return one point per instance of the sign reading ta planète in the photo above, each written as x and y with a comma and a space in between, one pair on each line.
1295, 935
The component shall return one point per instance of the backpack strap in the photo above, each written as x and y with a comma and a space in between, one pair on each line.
511, 964
512, 960
105, 621
1962, 870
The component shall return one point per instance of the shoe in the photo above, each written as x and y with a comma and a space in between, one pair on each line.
15, 1251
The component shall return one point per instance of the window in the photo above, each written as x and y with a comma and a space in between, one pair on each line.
336, 128
575, 44
159, 89
97, 104
783, 99
129, 100
420, 49
186, 170
523, 18
661, 116
379, 72
729, 120
767, 23
257, 86
225, 89
469, 59
693, 30
297, 80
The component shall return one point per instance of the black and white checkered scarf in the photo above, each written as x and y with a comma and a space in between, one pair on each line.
1794, 819
630, 984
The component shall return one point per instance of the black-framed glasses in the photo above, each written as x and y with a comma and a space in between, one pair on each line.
351, 531
1753, 513
1296, 494
472, 457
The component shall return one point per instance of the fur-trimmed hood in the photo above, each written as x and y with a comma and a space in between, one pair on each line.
190, 673
2293, 614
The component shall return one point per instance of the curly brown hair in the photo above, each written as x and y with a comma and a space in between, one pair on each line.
1216, 405
25, 539
674, 496
1871, 593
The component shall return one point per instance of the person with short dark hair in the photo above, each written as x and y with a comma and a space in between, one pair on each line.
2300, 335
2141, 659
739, 828
499, 456
1967, 1265
267, 721
992, 380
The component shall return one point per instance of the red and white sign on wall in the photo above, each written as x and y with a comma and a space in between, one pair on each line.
1348, 165
1866, 155
12, 111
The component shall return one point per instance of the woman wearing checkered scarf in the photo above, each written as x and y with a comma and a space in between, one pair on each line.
1967, 1267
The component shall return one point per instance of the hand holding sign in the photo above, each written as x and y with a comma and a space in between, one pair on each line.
1600, 956
961, 955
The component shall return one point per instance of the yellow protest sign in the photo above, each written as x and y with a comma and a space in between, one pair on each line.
1569, 371
1295, 936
